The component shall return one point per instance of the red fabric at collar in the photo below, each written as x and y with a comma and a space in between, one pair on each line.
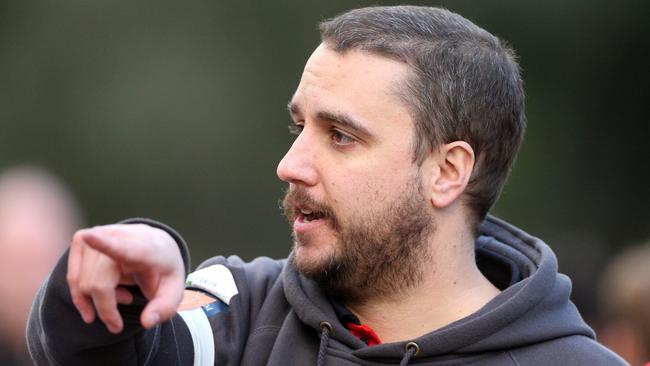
364, 333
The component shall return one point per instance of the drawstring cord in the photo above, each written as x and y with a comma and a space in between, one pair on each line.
412, 349
325, 330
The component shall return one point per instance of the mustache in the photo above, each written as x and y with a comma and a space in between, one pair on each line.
297, 198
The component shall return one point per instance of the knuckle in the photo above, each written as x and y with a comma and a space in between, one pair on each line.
78, 236
99, 289
84, 287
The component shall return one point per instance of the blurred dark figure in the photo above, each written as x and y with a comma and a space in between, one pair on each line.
37, 218
625, 304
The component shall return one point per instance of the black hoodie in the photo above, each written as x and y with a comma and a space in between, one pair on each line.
269, 314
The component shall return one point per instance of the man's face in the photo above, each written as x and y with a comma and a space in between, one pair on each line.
355, 198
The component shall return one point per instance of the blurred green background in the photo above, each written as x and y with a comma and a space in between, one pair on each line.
177, 111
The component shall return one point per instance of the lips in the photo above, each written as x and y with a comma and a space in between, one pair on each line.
306, 220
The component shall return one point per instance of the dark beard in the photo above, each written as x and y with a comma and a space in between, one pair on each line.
379, 255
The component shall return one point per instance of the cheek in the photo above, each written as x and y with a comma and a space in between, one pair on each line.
357, 194
358, 183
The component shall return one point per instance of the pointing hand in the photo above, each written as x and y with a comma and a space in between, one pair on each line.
104, 258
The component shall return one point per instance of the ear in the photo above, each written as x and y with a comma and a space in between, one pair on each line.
454, 163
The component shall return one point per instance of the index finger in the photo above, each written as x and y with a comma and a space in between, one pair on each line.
114, 247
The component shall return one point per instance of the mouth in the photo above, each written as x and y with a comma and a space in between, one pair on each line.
308, 215
305, 213
307, 220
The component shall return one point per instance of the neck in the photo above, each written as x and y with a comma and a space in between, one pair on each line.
452, 288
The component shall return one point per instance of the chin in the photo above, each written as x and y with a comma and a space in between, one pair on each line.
312, 260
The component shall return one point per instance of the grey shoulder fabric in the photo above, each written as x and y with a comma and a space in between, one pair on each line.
276, 317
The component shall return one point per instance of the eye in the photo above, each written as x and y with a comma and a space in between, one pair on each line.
342, 139
295, 129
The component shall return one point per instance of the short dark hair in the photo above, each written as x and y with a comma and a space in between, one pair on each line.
465, 85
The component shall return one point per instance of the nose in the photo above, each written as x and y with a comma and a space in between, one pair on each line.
299, 163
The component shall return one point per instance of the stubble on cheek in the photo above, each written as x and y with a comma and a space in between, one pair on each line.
378, 254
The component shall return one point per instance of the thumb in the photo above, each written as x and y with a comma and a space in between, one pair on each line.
163, 305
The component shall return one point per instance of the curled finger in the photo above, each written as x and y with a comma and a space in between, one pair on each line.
98, 281
105, 300
123, 296
82, 302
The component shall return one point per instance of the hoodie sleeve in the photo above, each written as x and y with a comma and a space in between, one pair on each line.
57, 335
247, 292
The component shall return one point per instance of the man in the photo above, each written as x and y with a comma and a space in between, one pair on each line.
408, 120
37, 217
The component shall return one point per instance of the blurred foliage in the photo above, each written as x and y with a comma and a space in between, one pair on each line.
176, 111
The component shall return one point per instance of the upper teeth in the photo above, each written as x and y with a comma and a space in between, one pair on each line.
306, 212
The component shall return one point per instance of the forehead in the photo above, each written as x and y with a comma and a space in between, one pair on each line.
357, 83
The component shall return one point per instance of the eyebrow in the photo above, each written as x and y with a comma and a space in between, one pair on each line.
339, 118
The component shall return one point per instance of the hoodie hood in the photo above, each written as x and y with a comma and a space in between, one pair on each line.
533, 306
